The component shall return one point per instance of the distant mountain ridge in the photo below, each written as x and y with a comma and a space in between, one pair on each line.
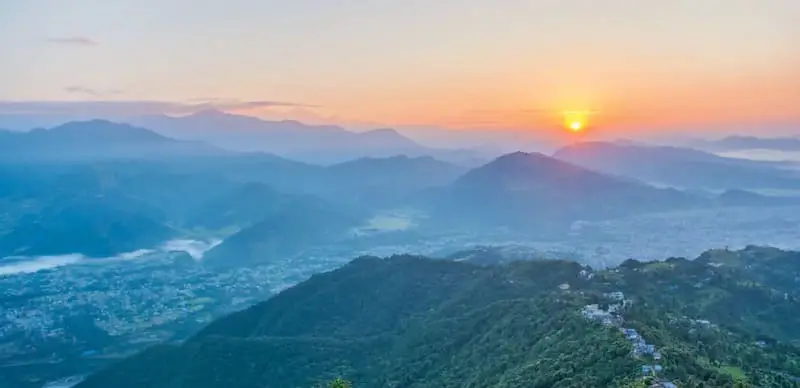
747, 198
742, 143
680, 167
95, 140
311, 143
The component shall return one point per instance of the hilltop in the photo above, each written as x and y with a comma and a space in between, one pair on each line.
531, 191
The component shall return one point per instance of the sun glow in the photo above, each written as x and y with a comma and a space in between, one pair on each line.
575, 121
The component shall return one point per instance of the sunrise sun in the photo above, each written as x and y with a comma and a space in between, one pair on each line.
575, 121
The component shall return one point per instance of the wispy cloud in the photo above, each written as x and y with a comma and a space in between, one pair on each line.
131, 107
236, 104
93, 92
73, 41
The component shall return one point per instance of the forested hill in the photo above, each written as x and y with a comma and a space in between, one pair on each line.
416, 322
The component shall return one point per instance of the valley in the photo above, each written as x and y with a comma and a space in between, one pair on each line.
74, 318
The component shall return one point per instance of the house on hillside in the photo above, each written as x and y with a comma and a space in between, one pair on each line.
616, 295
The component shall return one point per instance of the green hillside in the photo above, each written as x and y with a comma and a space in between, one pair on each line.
416, 322
95, 226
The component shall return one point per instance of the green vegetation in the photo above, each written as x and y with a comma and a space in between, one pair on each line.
339, 383
735, 372
415, 322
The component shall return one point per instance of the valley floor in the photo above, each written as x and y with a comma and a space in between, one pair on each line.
72, 318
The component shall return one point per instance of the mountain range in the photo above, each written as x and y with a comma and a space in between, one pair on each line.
292, 139
149, 187
203, 131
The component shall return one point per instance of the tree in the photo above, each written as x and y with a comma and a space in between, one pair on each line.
340, 383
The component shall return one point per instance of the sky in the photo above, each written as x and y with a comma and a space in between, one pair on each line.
635, 64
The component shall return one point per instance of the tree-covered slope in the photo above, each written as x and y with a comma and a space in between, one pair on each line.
300, 224
93, 226
415, 322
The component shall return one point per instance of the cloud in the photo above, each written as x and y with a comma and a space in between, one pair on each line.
93, 92
236, 104
131, 107
73, 41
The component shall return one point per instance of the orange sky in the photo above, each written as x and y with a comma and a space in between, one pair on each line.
635, 99
448, 63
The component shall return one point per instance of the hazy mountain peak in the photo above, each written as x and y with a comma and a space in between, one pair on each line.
530, 170
96, 140
384, 131
389, 135
290, 122
526, 159
522, 155
103, 128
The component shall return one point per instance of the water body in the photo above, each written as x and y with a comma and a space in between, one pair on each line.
68, 382
30, 264
21, 265
196, 249
764, 155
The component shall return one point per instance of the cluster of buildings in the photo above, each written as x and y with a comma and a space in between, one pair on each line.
613, 316
593, 312
640, 346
